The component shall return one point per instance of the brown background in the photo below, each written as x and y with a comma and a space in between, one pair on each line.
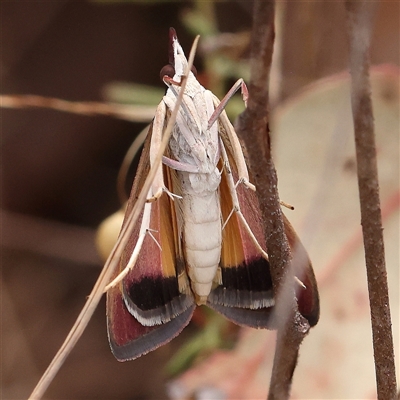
61, 168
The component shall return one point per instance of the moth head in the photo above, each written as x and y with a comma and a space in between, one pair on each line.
176, 67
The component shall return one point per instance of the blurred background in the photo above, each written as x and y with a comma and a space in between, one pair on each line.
59, 169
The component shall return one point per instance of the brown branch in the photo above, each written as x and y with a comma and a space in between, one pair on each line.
252, 127
359, 15
121, 111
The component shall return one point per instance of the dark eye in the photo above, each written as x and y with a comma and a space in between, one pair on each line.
168, 70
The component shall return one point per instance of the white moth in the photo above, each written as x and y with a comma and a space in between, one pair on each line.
199, 239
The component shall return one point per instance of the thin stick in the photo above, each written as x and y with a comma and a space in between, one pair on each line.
121, 111
253, 129
359, 16
112, 261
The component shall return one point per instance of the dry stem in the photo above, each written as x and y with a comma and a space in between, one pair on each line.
253, 129
359, 15
121, 111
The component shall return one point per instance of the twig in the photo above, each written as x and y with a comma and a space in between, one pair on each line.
359, 15
253, 129
121, 111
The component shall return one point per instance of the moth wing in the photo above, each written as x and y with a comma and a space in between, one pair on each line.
129, 339
308, 297
245, 294
151, 305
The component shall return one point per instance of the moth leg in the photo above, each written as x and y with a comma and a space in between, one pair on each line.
229, 217
183, 280
218, 277
234, 144
144, 229
236, 209
287, 205
246, 183
157, 189
180, 166
158, 186
149, 231
299, 282
236, 205
156, 196
221, 105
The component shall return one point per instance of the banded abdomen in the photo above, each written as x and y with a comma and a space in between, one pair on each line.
202, 233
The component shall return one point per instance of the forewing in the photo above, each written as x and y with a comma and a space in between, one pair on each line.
245, 295
308, 297
147, 308
128, 338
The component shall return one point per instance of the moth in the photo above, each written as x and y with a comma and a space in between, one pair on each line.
199, 239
